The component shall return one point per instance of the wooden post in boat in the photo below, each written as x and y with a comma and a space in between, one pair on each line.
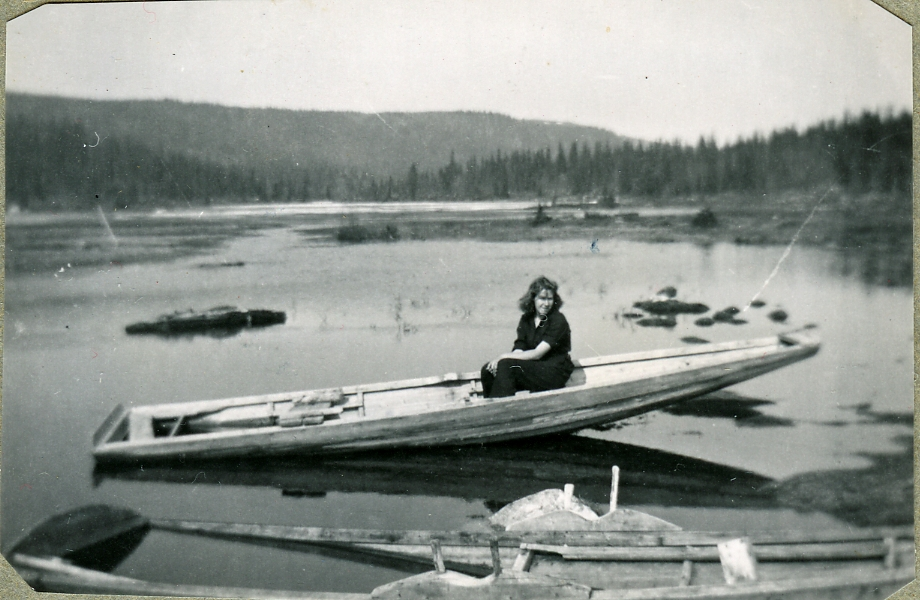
686, 573
437, 556
567, 492
496, 557
524, 559
614, 487
891, 554
737, 558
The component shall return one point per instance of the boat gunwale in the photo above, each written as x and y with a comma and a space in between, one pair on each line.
64, 573
559, 538
45, 569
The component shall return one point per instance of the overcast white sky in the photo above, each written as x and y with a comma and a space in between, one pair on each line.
651, 69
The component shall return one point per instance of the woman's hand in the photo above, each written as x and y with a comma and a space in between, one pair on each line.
492, 367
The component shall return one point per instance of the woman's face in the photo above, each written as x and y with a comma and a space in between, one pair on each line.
543, 302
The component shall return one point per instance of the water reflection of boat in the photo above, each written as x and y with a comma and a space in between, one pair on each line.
228, 319
439, 411
494, 473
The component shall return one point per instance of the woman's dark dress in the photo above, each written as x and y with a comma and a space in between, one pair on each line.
548, 373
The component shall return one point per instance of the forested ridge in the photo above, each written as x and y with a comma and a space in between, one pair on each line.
60, 161
156, 153
867, 153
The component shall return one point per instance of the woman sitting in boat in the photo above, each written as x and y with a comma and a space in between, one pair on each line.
540, 358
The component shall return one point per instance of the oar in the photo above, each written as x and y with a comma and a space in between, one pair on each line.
96, 537
99, 537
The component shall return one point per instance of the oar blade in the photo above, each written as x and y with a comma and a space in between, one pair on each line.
95, 537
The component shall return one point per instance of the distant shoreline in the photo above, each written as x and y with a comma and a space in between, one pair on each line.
879, 226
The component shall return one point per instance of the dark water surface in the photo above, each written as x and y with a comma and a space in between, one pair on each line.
365, 313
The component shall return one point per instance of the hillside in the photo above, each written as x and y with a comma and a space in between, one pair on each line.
380, 145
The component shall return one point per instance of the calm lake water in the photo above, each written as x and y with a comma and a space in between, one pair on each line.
365, 313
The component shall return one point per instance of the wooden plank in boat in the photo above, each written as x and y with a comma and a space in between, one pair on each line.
646, 355
421, 382
771, 552
166, 411
392, 403
174, 409
855, 585
513, 539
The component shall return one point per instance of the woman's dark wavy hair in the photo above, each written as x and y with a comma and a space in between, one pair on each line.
538, 285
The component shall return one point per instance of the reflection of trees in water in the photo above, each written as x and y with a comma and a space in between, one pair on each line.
888, 264
877, 495
874, 235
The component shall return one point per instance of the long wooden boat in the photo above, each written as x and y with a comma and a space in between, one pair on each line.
547, 545
555, 545
436, 411
846, 580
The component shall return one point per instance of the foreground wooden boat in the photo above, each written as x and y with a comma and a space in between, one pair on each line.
623, 554
553, 545
447, 410
633, 556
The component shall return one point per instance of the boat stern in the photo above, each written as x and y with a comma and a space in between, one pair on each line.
114, 428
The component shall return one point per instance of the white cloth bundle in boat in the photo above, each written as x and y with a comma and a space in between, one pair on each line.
333, 396
560, 510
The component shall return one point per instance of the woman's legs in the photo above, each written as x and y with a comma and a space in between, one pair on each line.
514, 374
487, 378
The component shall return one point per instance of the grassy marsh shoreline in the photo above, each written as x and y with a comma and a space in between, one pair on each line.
875, 230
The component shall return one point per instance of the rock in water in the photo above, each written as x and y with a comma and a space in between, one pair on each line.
727, 315
671, 307
778, 316
667, 292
